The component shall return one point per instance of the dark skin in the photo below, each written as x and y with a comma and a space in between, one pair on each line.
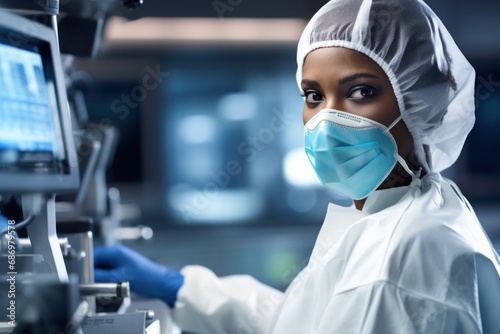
347, 80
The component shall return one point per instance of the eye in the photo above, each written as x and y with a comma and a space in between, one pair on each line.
362, 93
313, 97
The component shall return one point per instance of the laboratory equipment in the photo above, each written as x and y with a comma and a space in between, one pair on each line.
38, 162
37, 153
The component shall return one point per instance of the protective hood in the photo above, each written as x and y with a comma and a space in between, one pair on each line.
432, 80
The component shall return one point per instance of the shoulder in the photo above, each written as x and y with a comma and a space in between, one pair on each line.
389, 308
432, 230
416, 256
420, 244
433, 215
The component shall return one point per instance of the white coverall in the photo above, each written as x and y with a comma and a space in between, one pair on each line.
404, 264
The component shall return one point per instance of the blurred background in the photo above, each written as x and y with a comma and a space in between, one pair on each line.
210, 149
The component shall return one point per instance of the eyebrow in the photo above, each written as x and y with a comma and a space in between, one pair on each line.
357, 76
310, 83
315, 84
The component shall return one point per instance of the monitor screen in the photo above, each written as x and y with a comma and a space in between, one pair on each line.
29, 131
36, 148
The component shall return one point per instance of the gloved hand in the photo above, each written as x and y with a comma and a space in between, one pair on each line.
119, 263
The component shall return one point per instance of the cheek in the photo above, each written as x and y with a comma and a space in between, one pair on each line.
404, 139
389, 111
306, 115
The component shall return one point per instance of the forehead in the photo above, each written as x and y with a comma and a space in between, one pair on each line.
336, 62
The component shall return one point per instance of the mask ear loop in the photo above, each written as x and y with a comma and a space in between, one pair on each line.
400, 117
414, 175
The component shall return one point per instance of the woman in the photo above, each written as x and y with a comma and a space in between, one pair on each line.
388, 105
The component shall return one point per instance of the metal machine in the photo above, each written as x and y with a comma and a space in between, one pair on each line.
46, 277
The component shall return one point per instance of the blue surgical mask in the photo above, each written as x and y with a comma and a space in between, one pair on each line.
352, 155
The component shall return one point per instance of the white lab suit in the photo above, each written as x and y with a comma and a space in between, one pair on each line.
405, 264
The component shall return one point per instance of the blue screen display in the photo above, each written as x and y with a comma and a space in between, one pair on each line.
29, 128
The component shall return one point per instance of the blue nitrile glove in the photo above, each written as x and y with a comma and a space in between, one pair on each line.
119, 263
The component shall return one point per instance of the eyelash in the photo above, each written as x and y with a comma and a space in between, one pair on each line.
371, 90
307, 93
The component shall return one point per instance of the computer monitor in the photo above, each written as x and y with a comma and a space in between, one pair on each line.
37, 153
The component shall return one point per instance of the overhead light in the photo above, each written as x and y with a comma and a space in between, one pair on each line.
210, 30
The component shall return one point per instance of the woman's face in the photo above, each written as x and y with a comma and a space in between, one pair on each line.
347, 80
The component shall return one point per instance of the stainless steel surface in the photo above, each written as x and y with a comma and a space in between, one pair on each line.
42, 232
120, 289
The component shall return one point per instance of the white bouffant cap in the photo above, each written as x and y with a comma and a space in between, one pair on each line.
432, 80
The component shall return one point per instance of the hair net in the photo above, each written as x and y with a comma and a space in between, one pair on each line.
432, 80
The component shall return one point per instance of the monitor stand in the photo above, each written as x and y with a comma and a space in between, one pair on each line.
42, 232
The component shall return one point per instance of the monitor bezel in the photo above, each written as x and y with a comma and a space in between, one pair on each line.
21, 30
